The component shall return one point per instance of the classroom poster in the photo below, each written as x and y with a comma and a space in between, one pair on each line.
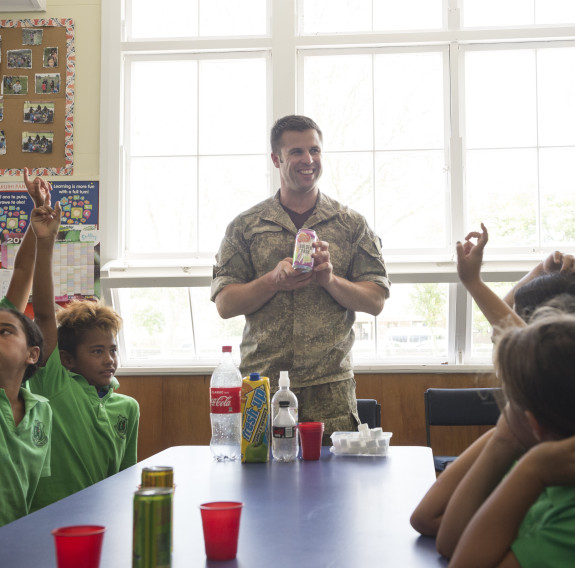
77, 250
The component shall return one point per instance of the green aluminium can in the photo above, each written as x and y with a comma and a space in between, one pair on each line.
158, 476
152, 539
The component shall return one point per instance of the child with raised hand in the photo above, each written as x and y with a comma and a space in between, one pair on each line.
25, 418
469, 259
544, 284
94, 429
511, 514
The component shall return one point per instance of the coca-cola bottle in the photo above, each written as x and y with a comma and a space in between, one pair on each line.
225, 409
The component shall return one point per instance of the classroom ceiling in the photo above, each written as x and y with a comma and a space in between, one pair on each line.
23, 5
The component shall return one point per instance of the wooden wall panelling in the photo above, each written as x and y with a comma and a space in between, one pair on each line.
147, 390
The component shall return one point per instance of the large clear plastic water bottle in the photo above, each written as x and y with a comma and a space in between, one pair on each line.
284, 440
284, 394
225, 409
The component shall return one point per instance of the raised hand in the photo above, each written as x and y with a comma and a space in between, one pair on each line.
38, 189
559, 262
470, 256
46, 220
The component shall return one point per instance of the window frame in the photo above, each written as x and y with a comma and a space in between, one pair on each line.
285, 90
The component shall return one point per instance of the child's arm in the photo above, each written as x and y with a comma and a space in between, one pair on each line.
427, 516
555, 262
21, 282
488, 538
469, 259
45, 223
495, 460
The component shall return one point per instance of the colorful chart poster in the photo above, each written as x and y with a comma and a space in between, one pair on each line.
77, 250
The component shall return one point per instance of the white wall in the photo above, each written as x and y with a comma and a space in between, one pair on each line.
86, 15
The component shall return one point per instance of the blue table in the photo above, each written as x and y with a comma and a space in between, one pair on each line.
338, 512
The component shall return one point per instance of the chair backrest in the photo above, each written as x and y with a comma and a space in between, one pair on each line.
369, 411
460, 407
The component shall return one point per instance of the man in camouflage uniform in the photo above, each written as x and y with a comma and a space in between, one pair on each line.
297, 321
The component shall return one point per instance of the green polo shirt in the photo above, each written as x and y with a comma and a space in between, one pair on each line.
546, 535
24, 453
92, 437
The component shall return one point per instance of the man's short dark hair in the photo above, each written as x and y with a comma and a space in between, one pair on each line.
295, 122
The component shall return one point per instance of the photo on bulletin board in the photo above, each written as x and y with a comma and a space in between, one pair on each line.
50, 57
19, 59
38, 112
37, 80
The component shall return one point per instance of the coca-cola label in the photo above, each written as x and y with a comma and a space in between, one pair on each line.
225, 400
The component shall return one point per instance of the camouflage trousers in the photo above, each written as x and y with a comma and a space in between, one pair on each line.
334, 404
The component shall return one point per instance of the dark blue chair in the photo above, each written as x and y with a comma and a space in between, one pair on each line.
369, 411
459, 407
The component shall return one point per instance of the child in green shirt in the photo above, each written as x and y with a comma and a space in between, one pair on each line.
95, 430
25, 418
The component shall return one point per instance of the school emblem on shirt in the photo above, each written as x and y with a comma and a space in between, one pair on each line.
39, 436
121, 426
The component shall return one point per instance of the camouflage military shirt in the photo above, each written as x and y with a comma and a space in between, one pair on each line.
305, 331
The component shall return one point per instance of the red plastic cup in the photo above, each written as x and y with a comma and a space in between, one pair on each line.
78, 546
221, 522
310, 434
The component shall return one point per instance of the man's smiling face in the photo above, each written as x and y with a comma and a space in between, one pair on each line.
299, 160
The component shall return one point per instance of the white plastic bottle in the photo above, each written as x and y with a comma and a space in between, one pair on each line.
225, 409
284, 393
284, 440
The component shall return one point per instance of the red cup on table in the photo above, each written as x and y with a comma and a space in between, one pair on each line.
310, 434
78, 546
221, 522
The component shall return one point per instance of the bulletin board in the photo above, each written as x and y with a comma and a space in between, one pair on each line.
37, 74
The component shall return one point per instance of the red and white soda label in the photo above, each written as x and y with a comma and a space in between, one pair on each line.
225, 400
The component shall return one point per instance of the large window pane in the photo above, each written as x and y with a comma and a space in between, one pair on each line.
339, 16
338, 95
556, 96
333, 16
228, 185
410, 192
174, 326
557, 179
407, 15
501, 189
233, 99
348, 177
220, 133
408, 95
161, 206
414, 326
163, 108
500, 99
517, 12
196, 18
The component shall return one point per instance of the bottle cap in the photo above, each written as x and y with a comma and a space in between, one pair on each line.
284, 379
227, 349
254, 376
